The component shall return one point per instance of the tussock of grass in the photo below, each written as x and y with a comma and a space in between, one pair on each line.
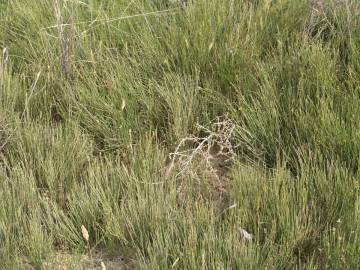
94, 95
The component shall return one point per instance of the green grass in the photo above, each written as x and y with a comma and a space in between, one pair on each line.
96, 95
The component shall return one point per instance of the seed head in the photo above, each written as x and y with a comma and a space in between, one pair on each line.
85, 233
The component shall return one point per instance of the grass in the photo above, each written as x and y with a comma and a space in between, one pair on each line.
111, 120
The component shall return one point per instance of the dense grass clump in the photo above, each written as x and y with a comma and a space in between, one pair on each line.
203, 134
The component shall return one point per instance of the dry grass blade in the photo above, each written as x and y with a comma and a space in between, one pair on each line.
153, 13
4, 136
66, 39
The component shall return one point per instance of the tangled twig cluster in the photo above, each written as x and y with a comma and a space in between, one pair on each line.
212, 151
